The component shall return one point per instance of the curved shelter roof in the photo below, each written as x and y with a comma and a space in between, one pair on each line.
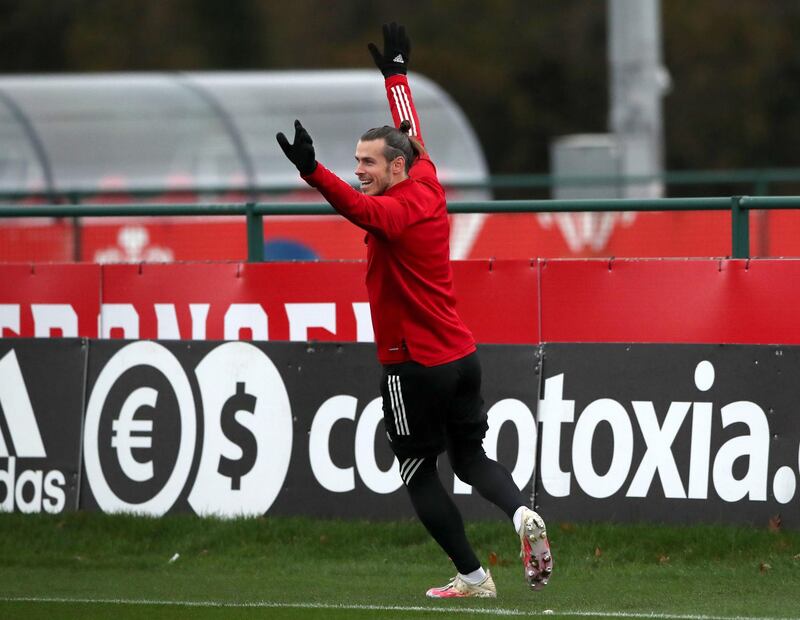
137, 131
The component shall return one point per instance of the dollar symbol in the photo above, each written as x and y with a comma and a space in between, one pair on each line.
238, 434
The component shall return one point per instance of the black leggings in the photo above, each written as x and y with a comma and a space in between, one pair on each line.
437, 510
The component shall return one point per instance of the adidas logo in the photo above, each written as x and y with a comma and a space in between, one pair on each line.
15, 405
398, 58
27, 490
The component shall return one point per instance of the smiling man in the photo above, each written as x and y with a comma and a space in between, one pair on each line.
383, 159
431, 384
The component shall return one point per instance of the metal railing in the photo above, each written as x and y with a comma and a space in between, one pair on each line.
739, 207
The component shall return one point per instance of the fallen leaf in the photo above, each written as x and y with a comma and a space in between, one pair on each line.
598, 552
764, 567
775, 523
566, 527
492, 558
663, 559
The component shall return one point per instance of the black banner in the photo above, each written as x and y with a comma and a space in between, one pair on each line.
671, 433
41, 405
280, 428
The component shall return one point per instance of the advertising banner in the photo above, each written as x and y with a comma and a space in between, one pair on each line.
299, 301
49, 301
626, 432
41, 405
233, 428
502, 302
670, 433
237, 301
695, 300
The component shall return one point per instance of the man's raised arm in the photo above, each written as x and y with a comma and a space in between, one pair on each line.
393, 63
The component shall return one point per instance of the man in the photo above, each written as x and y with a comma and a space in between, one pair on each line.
431, 380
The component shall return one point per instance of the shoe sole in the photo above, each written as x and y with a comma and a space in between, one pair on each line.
536, 556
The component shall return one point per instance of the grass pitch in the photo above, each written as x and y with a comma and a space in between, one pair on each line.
114, 566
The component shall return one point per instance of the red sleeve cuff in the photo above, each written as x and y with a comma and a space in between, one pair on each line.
394, 80
310, 178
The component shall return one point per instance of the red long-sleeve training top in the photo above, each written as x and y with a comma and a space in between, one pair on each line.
409, 277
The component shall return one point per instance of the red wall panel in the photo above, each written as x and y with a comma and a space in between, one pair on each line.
497, 299
690, 301
221, 285
45, 288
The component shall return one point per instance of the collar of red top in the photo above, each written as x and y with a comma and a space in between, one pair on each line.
401, 184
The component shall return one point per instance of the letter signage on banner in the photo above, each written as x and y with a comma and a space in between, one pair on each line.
532, 301
298, 301
238, 428
658, 432
295, 301
41, 404
674, 433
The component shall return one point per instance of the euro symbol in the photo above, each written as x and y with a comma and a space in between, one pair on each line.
124, 441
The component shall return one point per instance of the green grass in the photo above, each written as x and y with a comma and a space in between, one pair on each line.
367, 568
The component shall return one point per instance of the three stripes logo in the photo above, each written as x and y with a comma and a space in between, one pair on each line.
404, 108
18, 423
26, 490
409, 468
398, 407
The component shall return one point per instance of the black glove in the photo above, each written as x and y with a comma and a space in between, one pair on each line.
396, 50
301, 153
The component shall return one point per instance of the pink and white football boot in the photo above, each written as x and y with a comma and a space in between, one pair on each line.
535, 550
458, 588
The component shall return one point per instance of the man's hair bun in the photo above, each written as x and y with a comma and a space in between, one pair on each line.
405, 127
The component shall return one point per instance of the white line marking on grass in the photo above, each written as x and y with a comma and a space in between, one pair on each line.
486, 611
